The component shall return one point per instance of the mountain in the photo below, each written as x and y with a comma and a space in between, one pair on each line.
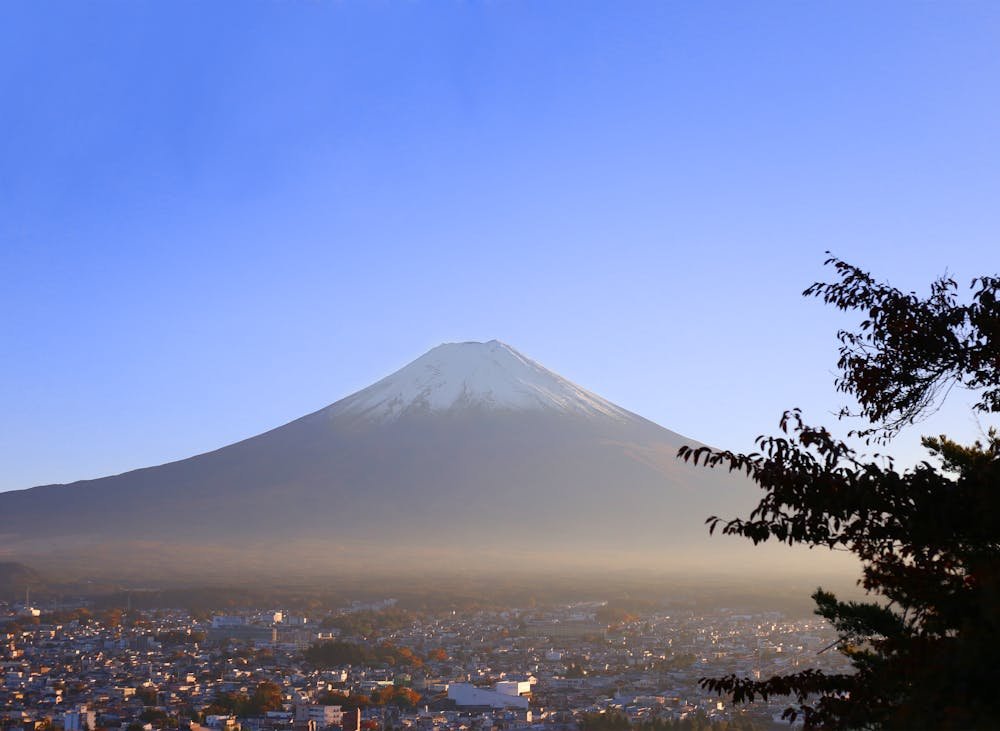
471, 456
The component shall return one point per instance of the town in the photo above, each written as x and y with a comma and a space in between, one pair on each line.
379, 666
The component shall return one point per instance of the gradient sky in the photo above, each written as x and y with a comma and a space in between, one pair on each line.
217, 217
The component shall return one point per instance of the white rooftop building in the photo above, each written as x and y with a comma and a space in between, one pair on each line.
466, 694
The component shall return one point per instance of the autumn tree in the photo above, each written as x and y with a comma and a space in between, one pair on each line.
112, 618
395, 695
928, 537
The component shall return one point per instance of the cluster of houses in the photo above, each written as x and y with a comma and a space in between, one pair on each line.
484, 671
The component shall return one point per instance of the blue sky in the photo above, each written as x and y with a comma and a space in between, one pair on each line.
217, 217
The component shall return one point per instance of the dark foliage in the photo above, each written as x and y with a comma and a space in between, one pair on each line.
617, 721
367, 622
329, 654
267, 696
177, 637
910, 351
346, 702
332, 654
928, 537
147, 694
390, 695
157, 717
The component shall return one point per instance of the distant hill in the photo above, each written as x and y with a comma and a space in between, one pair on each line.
15, 577
473, 457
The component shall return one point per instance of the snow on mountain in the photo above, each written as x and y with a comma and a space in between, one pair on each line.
489, 375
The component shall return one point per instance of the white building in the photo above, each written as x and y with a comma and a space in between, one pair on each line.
79, 719
221, 722
466, 694
222, 620
513, 687
323, 715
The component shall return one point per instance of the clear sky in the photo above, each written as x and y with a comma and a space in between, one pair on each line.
217, 217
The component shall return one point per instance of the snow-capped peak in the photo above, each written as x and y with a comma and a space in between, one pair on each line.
473, 375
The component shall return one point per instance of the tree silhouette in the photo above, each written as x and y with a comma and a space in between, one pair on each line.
928, 537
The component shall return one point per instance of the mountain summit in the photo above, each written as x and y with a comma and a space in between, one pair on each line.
473, 375
471, 456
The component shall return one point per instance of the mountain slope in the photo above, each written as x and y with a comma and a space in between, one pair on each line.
473, 453
15, 578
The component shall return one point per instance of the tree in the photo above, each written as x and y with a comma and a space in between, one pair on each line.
346, 702
147, 694
268, 696
395, 695
912, 351
928, 537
